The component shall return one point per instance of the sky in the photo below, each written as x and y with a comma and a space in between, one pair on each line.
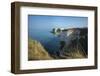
48, 22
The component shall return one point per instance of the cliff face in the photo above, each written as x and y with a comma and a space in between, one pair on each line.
73, 43
36, 51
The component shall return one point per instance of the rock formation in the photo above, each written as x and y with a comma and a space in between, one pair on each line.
73, 43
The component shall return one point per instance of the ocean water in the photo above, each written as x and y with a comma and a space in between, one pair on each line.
49, 41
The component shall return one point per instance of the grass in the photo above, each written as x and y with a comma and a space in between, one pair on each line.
36, 51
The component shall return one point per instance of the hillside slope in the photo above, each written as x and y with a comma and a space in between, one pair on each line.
36, 51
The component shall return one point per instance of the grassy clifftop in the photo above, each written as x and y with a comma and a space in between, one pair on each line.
36, 51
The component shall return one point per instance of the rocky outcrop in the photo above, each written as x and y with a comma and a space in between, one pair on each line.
36, 51
73, 43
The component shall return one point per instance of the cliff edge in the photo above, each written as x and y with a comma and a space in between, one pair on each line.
36, 51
